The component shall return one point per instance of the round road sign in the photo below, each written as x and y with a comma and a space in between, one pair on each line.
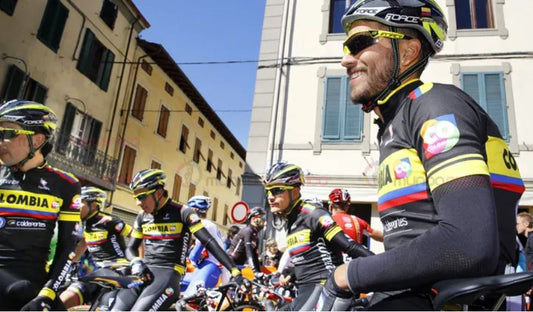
239, 211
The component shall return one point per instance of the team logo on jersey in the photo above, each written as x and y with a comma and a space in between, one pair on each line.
326, 221
402, 169
76, 202
440, 135
43, 185
119, 227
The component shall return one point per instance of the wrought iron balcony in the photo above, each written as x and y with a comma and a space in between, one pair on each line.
84, 161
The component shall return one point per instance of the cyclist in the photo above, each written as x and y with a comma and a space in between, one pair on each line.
208, 268
447, 185
244, 248
312, 233
353, 226
34, 197
103, 236
165, 226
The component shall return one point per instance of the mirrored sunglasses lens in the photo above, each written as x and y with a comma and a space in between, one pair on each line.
277, 190
359, 43
141, 197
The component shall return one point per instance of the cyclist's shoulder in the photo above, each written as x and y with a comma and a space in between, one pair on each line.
50, 171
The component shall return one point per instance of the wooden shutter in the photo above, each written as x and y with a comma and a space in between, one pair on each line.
332, 108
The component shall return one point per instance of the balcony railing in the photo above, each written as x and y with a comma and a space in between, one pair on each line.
84, 160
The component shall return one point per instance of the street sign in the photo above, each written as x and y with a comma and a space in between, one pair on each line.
239, 211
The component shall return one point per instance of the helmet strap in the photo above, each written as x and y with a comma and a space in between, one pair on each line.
396, 79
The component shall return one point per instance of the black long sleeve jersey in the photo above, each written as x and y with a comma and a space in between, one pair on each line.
104, 235
448, 187
31, 203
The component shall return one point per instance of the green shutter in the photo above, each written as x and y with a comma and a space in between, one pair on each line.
84, 60
66, 128
108, 60
332, 108
59, 26
12, 84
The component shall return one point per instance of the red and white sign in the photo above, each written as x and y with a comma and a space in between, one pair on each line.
239, 211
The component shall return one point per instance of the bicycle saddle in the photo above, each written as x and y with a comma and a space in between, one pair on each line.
465, 291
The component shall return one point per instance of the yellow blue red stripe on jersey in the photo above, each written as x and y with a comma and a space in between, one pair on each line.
299, 242
504, 173
65, 175
29, 204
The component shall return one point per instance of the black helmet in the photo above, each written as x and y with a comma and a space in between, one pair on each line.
425, 16
147, 180
284, 173
256, 211
91, 193
30, 115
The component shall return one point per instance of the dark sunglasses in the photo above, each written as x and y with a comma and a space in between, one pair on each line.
361, 40
143, 196
9, 133
277, 190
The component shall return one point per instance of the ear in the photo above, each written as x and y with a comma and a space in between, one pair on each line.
410, 52
38, 140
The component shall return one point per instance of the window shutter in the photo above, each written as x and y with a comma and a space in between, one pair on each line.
59, 25
84, 61
353, 120
471, 86
332, 110
496, 104
108, 66
12, 84
66, 127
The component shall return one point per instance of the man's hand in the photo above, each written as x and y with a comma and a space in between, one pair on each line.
334, 298
284, 280
139, 268
39, 303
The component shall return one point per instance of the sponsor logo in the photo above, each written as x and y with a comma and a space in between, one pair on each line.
326, 221
402, 169
395, 224
2, 222
440, 135
402, 18
43, 185
9, 181
26, 224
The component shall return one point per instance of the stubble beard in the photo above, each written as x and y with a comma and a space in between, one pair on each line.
377, 79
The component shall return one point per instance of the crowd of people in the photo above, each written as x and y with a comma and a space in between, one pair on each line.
456, 186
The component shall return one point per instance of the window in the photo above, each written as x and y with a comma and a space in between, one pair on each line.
240, 164
212, 134
183, 140
488, 90
177, 187
79, 136
474, 14
108, 13
126, 170
343, 121
209, 161
214, 209
225, 220
188, 109
164, 114
8, 6
228, 182
155, 165
192, 190
139, 103
52, 24
14, 87
200, 122
219, 170
492, 88
332, 12
95, 60
231, 155
469, 18
197, 151
169, 89
146, 67
222, 145
238, 187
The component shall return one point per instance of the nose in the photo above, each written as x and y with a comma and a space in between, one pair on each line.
348, 60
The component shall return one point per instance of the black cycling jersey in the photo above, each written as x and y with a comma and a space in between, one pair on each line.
166, 234
442, 215
31, 203
312, 234
104, 235
244, 248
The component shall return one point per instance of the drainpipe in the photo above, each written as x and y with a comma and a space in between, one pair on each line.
81, 29
120, 150
119, 87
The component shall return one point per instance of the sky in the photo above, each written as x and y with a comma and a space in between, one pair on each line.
194, 31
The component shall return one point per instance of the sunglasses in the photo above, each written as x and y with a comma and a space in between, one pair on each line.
9, 133
143, 196
277, 190
361, 40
